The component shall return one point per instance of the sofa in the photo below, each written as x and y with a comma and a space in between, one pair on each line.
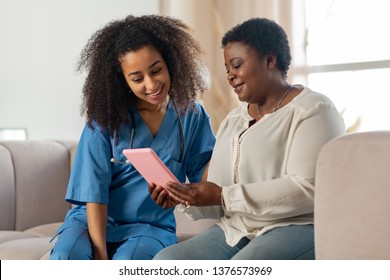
351, 203
352, 198
33, 179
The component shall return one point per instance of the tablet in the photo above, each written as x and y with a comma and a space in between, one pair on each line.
150, 166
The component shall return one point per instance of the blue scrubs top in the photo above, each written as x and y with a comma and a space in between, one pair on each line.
131, 211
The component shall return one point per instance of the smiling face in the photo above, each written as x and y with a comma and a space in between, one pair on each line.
247, 73
147, 75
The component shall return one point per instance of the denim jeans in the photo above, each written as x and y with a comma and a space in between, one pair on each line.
295, 242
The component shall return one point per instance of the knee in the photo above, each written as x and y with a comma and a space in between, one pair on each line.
73, 243
71, 254
168, 253
71, 250
138, 248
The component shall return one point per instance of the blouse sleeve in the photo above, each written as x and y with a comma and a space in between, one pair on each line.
90, 177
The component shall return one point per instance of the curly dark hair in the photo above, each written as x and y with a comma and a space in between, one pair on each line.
264, 35
106, 95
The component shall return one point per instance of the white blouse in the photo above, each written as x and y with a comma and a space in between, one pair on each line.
267, 170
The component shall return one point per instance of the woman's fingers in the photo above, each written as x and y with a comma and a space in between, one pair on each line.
169, 203
158, 194
162, 197
155, 192
199, 194
182, 193
151, 187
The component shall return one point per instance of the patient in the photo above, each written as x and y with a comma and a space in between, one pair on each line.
261, 177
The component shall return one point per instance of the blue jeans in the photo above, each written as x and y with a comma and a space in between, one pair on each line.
74, 244
295, 242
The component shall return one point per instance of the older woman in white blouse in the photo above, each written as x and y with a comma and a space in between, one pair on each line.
261, 176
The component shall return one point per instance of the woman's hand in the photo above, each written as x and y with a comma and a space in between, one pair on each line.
161, 196
198, 194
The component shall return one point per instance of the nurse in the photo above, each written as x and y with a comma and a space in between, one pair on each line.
143, 78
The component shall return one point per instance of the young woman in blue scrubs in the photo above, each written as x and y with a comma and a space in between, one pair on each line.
143, 78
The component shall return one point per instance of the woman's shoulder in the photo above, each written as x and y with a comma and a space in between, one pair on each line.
92, 130
195, 108
238, 112
308, 99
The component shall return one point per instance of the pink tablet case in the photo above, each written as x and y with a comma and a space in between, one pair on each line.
149, 165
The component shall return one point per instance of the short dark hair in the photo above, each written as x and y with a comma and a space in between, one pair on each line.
106, 95
265, 36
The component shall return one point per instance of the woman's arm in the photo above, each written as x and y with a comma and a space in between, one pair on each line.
97, 226
205, 173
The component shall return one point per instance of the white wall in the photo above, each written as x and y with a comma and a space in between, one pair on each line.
40, 41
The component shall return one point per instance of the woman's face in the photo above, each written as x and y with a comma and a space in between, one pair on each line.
147, 74
246, 72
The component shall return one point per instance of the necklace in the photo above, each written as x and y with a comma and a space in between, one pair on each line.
277, 106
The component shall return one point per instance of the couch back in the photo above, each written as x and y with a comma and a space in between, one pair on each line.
352, 198
33, 181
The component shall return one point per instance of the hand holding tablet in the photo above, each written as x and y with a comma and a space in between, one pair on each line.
150, 166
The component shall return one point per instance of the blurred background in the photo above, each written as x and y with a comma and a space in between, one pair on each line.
340, 48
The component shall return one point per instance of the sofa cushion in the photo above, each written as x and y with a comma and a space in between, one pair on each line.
33, 248
7, 190
31, 244
47, 230
186, 228
9, 235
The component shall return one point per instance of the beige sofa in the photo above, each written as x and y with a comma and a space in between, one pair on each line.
33, 182
352, 198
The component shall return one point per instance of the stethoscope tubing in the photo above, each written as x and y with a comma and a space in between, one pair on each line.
114, 160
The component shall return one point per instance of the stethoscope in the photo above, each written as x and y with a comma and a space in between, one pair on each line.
114, 160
